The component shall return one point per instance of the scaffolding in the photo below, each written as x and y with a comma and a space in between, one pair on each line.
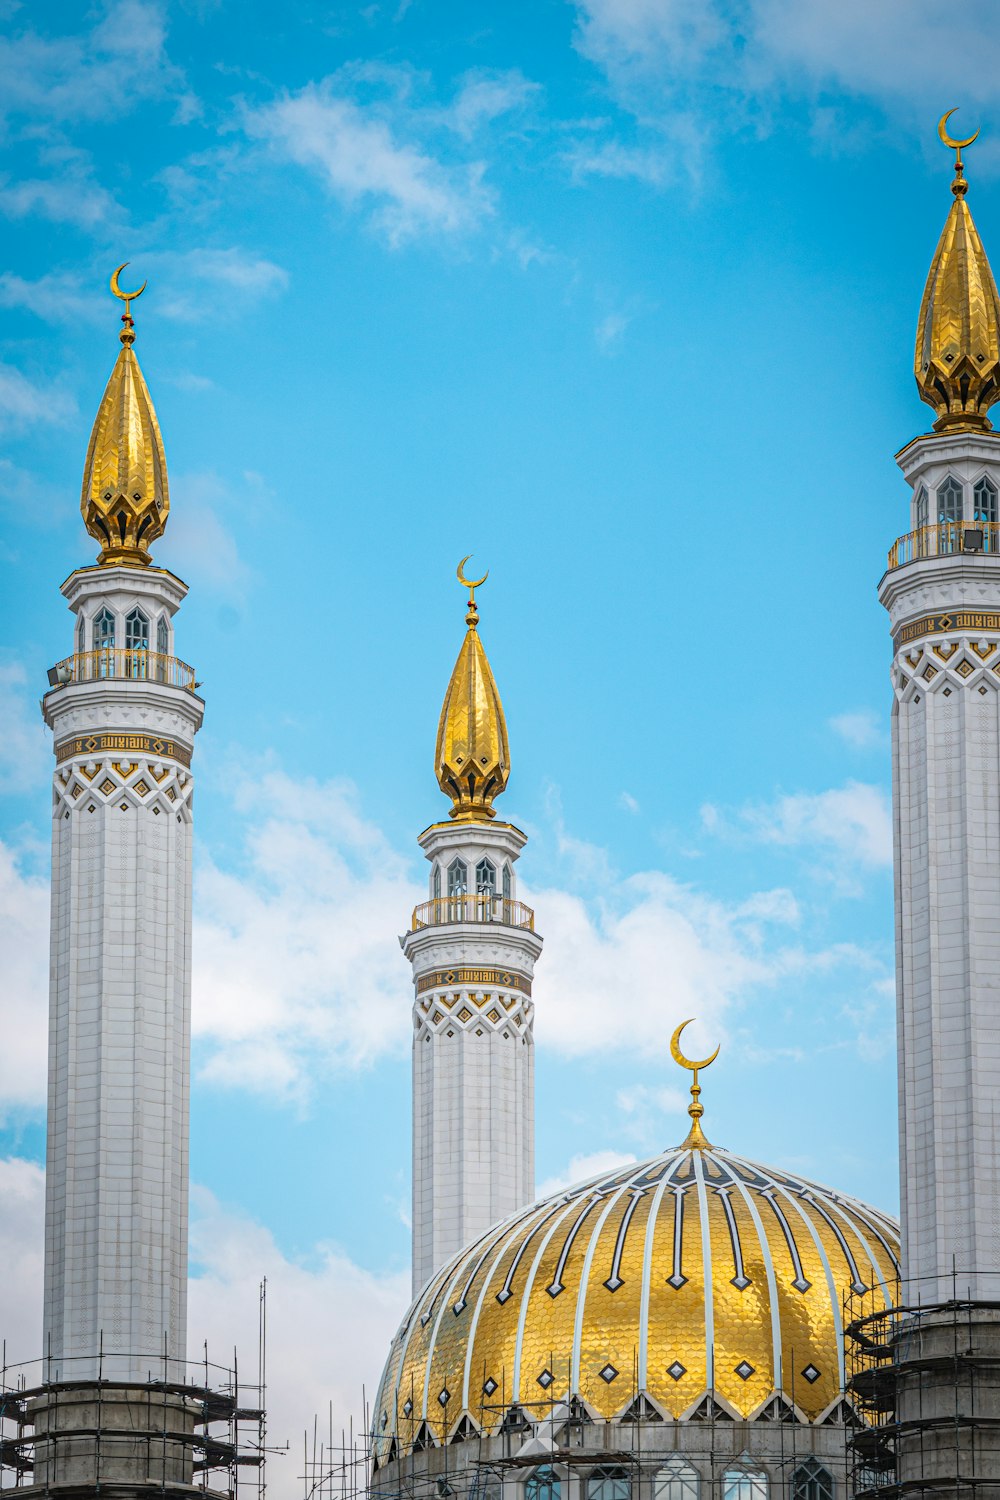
924, 1378
187, 1427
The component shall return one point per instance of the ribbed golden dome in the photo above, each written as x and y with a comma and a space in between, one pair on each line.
472, 756
957, 357
125, 498
695, 1276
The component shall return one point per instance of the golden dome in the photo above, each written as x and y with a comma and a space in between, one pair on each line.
472, 756
957, 357
693, 1278
125, 499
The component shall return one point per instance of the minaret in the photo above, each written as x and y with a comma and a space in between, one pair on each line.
473, 948
124, 712
942, 592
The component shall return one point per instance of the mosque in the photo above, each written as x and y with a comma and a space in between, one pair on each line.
694, 1327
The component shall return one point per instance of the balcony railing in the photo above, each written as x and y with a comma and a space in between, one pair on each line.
111, 662
447, 909
947, 537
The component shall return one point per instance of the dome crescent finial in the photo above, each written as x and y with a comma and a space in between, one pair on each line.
695, 1138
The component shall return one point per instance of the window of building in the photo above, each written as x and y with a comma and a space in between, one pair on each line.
543, 1484
744, 1484
162, 636
104, 630
949, 500
486, 878
458, 878
136, 631
676, 1480
81, 635
609, 1484
436, 882
812, 1482
508, 882
922, 508
984, 501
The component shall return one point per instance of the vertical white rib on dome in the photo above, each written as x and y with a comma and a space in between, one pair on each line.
525, 1297
706, 1261
515, 1230
836, 1208
772, 1284
588, 1260
831, 1287
647, 1268
456, 1272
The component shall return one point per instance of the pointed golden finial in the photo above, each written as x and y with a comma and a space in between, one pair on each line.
695, 1139
957, 356
472, 757
125, 498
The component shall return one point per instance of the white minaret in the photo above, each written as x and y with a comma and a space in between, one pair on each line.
942, 592
124, 712
473, 948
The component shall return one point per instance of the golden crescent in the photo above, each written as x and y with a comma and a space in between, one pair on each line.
125, 296
946, 138
470, 583
678, 1055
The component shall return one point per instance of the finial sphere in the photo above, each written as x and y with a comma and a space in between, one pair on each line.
126, 297
678, 1056
947, 140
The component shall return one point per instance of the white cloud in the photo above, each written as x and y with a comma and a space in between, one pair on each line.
581, 1168
484, 95
627, 802
652, 952
22, 1224
227, 281
330, 1322
360, 155
94, 74
25, 404
24, 942
57, 296
64, 199
610, 332
853, 820
862, 729
198, 543
297, 966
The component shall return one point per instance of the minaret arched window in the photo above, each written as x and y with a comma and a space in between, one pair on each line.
458, 878
163, 636
136, 642
676, 1480
744, 1484
543, 1484
508, 882
812, 1482
984, 502
81, 635
486, 878
949, 500
922, 509
104, 630
436, 881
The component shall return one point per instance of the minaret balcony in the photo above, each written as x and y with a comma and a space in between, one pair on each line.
946, 539
449, 910
111, 663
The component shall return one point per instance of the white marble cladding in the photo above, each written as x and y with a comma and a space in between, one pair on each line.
473, 1052
119, 1022
946, 816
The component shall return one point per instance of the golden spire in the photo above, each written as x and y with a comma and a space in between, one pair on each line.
957, 359
125, 499
472, 757
695, 1139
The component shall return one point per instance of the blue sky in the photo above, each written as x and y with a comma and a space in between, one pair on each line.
617, 296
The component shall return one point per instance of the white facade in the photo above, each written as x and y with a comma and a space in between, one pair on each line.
119, 1031
944, 611
473, 952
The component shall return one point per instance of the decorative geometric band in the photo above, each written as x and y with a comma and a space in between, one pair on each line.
473, 976
958, 619
141, 744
